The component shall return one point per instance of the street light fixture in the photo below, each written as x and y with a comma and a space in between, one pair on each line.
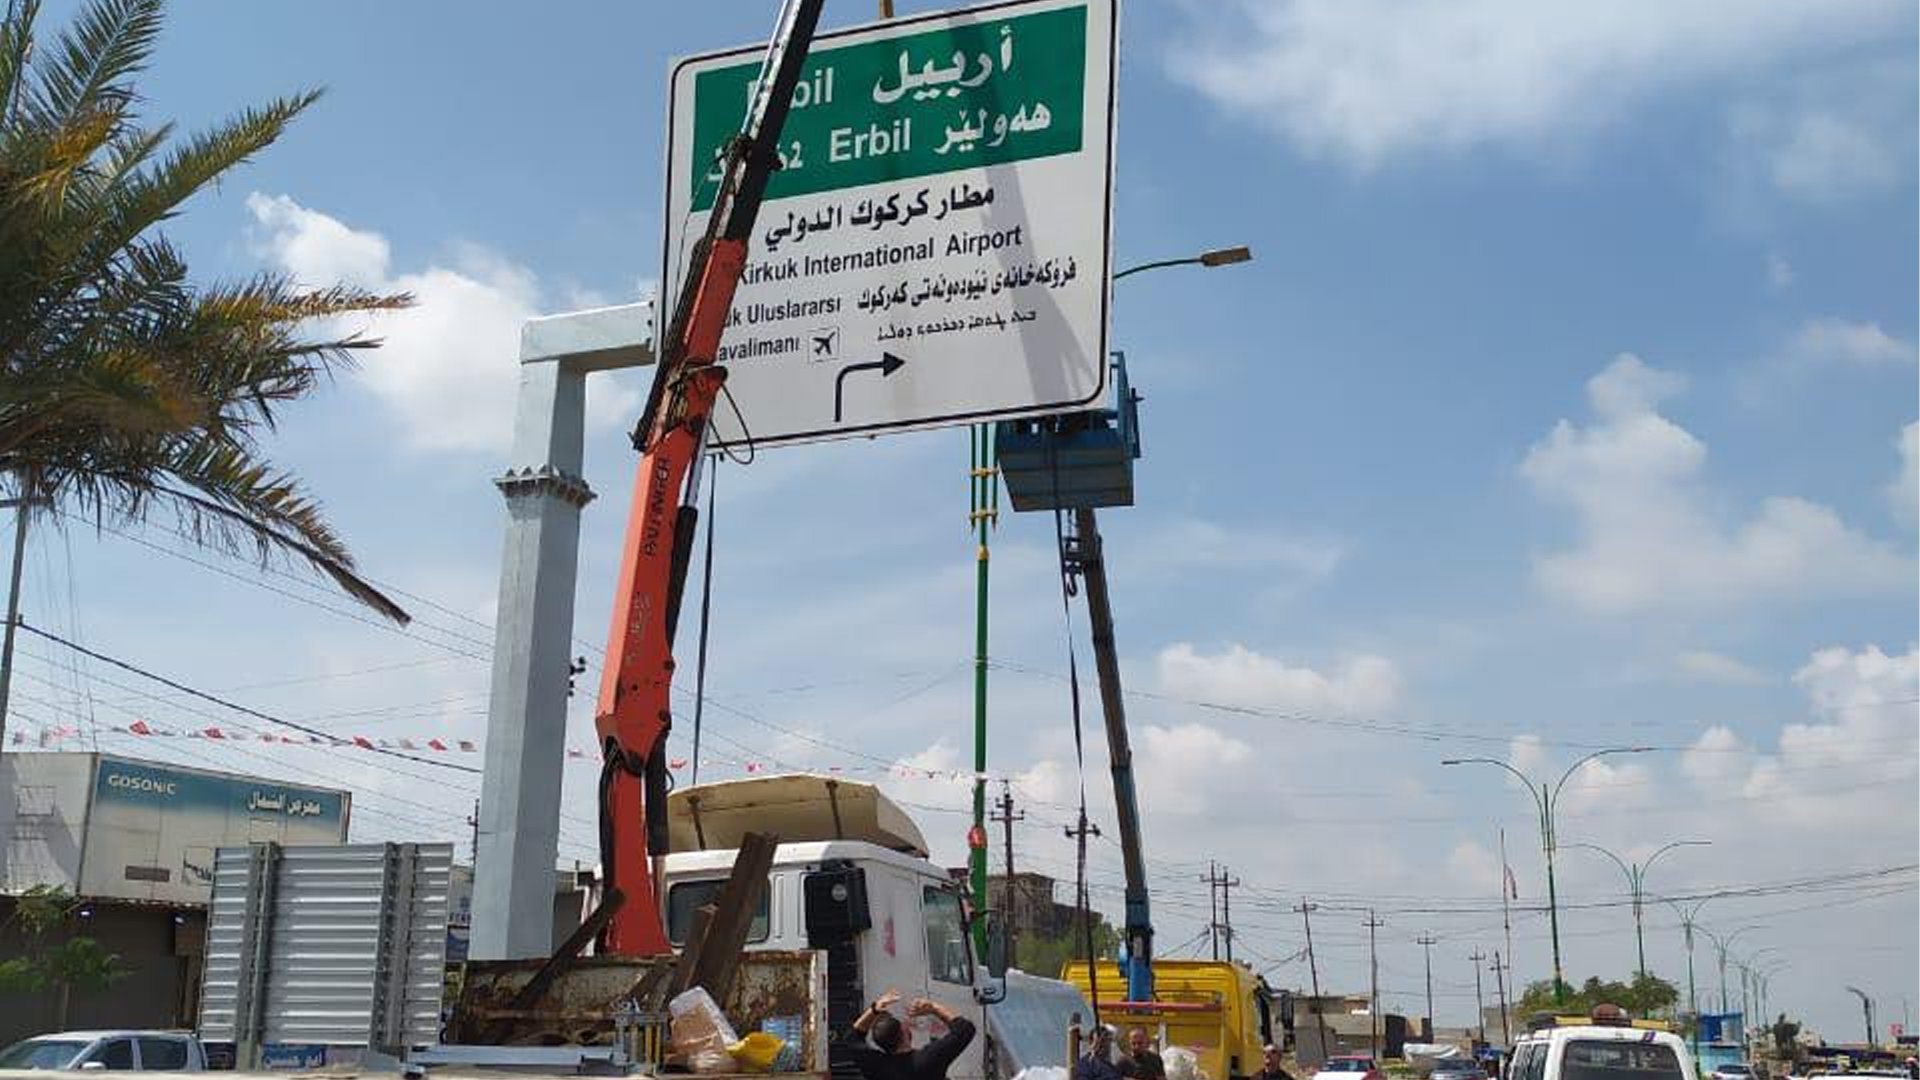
1545, 800
1866, 1003
1636, 883
1689, 923
1721, 945
1216, 257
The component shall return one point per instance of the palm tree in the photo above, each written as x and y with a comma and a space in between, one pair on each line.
124, 388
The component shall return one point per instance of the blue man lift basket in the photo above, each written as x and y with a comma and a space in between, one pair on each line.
1073, 461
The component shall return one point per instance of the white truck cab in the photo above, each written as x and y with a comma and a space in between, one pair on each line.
851, 878
1609, 1048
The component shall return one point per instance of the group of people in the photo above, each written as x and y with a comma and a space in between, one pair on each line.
1141, 1061
882, 1047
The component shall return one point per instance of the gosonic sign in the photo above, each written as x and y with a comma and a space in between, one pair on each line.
934, 249
153, 829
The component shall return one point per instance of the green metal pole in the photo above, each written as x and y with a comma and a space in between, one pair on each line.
1553, 897
985, 512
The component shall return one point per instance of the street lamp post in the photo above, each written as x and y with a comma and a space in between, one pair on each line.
1688, 917
1216, 257
1637, 884
1544, 800
1721, 945
1866, 1003
1139, 925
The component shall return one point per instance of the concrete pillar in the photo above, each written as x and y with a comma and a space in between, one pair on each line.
519, 835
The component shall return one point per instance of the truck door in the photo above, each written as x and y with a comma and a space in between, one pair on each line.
950, 975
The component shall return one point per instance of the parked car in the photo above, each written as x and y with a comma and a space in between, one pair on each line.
1733, 1070
1349, 1067
1458, 1069
129, 1051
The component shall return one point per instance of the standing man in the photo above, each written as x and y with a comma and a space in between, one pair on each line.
1142, 1063
890, 1054
1097, 1062
1271, 1067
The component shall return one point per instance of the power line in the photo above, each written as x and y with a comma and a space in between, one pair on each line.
224, 703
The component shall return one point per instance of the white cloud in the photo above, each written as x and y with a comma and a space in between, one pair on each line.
1528, 753
1718, 761
1363, 80
449, 366
1191, 766
1865, 738
1473, 868
1861, 344
1825, 152
1646, 536
1192, 542
1714, 667
1779, 272
1904, 492
1362, 684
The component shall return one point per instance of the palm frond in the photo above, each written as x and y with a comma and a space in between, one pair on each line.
88, 66
233, 493
149, 197
16, 41
123, 386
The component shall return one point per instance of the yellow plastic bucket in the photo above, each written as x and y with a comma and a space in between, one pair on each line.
757, 1050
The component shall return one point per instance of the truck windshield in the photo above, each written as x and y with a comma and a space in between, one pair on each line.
1596, 1060
39, 1054
686, 897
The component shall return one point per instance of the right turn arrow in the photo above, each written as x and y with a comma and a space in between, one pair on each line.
886, 365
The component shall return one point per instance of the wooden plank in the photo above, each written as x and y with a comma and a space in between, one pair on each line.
712, 964
697, 926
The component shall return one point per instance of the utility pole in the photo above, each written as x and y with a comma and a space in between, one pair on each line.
1007, 817
1313, 971
1226, 909
1427, 942
1374, 923
473, 825
1479, 1006
1079, 837
20, 504
1213, 906
1500, 986
1220, 886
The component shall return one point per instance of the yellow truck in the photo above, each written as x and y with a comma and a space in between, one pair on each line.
1220, 1010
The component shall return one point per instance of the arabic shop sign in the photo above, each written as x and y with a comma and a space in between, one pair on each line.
934, 249
152, 829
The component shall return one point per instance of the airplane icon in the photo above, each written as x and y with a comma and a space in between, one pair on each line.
826, 343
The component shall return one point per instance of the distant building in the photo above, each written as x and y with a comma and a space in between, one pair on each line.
133, 841
1031, 911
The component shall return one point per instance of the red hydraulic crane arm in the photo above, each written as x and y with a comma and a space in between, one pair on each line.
634, 712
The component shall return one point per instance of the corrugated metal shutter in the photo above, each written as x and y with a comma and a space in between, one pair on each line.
342, 945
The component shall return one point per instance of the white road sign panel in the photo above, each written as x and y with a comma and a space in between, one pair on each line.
935, 248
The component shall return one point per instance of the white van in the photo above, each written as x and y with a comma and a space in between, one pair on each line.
1609, 1048
850, 878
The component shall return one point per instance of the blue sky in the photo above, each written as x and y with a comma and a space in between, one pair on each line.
1563, 403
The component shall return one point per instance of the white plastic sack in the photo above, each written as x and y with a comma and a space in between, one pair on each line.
1182, 1064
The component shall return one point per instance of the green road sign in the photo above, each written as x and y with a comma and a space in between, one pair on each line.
940, 100
934, 249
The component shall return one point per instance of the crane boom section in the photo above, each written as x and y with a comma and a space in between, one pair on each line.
634, 711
